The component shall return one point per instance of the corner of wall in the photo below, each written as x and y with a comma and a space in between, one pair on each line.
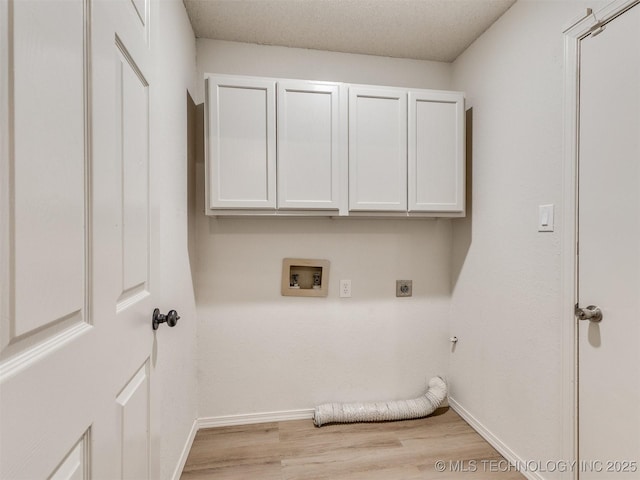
505, 307
173, 53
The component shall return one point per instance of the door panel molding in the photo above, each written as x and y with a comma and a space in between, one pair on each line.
134, 410
39, 313
142, 13
77, 464
132, 117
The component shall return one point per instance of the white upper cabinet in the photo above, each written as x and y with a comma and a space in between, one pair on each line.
241, 143
308, 175
377, 149
297, 147
436, 151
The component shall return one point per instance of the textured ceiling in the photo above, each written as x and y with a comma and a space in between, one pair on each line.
422, 29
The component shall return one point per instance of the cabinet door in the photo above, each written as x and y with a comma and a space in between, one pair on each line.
436, 151
308, 145
241, 143
377, 149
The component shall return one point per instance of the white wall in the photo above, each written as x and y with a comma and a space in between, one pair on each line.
261, 352
506, 370
173, 47
216, 56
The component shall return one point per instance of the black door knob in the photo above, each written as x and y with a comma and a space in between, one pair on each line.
170, 318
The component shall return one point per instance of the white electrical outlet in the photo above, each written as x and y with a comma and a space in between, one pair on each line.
345, 288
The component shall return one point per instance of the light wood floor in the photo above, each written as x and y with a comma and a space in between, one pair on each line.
292, 450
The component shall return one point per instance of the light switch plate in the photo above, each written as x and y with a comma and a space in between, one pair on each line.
545, 218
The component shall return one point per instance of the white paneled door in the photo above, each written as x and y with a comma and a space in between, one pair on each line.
609, 251
76, 351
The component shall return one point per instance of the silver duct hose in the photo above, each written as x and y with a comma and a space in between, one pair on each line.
383, 411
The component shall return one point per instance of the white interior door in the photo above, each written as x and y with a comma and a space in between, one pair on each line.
76, 366
609, 250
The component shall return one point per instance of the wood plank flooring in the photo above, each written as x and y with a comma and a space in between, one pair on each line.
296, 450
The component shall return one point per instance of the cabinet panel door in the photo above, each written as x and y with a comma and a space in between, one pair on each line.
241, 143
377, 149
308, 145
436, 151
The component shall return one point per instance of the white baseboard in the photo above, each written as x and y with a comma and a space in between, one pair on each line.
494, 441
249, 418
185, 451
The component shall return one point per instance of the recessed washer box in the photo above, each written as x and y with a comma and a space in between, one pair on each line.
305, 277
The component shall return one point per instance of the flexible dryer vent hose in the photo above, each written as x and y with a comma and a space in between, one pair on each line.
383, 411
